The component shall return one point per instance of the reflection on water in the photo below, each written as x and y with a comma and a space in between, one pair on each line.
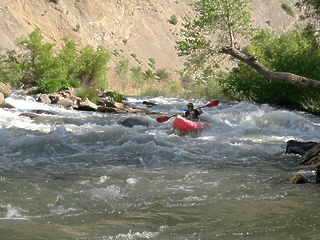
80, 175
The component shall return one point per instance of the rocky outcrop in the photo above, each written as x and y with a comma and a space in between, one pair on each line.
5, 92
310, 152
5, 89
311, 157
68, 99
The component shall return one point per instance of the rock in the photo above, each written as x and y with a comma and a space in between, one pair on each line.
29, 115
298, 179
65, 102
5, 89
108, 103
3, 103
296, 147
131, 122
44, 98
111, 110
2, 99
29, 91
311, 157
318, 174
55, 97
149, 104
41, 111
87, 106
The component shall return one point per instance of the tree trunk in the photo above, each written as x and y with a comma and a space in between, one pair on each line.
282, 77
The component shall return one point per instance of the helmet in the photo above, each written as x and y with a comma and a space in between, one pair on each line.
190, 105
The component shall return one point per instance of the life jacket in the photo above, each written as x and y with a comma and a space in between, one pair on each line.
195, 116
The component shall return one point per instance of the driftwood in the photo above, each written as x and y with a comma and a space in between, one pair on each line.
281, 77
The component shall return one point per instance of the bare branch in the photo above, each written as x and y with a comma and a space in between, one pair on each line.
282, 77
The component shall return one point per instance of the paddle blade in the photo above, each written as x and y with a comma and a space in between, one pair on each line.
162, 119
213, 103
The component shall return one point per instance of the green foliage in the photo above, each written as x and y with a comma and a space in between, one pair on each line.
162, 74
228, 20
54, 85
138, 76
209, 85
297, 52
287, 9
152, 60
218, 24
87, 92
149, 75
40, 62
93, 66
115, 96
123, 67
175, 88
173, 20
152, 66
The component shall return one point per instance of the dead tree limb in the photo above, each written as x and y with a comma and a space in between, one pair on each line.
281, 77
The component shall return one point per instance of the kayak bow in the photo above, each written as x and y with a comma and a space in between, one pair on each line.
184, 125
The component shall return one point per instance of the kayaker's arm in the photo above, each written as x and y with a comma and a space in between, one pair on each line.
199, 110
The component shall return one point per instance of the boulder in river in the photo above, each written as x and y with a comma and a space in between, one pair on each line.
311, 157
298, 179
297, 147
131, 122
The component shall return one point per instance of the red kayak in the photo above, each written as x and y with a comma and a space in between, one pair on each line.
184, 125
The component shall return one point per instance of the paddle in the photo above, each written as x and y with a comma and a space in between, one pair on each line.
165, 118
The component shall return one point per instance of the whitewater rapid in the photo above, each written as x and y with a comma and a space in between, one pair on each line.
80, 175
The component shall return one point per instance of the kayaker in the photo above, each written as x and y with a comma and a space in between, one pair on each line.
191, 113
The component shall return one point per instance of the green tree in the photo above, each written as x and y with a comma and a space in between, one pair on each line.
93, 66
294, 52
219, 23
38, 62
217, 27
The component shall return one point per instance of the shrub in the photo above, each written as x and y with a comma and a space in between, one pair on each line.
162, 74
287, 9
54, 85
89, 93
115, 96
122, 67
173, 20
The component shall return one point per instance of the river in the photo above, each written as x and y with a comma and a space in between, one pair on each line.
80, 175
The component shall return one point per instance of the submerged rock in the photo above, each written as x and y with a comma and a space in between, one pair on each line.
131, 122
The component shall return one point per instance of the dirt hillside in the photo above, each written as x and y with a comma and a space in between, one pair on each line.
139, 27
